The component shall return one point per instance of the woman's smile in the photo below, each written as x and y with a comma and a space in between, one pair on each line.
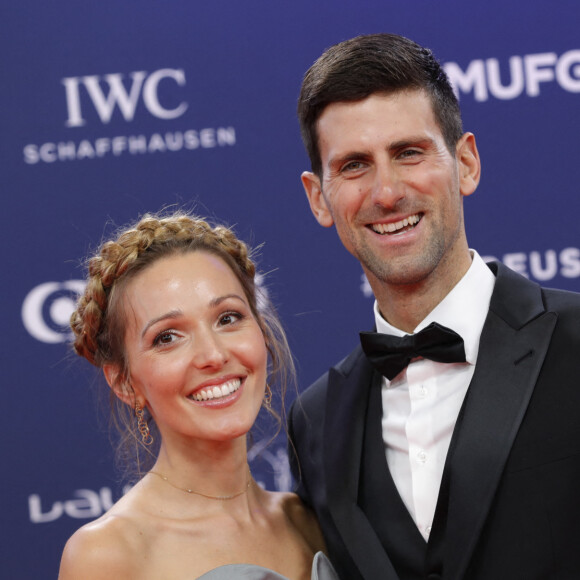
218, 392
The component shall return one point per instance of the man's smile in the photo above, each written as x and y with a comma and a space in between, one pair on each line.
399, 227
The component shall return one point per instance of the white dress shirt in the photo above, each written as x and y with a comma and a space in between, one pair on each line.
421, 404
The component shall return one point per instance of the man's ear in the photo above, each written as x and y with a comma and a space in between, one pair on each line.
313, 189
119, 385
469, 164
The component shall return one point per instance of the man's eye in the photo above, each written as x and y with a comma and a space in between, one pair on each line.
352, 166
409, 153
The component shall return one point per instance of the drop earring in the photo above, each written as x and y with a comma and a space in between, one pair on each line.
142, 426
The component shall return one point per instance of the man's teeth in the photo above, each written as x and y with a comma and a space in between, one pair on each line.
395, 227
218, 391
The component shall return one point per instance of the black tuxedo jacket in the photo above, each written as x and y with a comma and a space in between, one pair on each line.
512, 475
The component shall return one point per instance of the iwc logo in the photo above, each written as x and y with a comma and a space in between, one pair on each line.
116, 99
108, 92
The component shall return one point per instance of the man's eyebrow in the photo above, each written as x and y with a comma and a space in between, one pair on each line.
350, 156
412, 141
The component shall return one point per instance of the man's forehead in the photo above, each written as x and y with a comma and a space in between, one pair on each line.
397, 115
400, 96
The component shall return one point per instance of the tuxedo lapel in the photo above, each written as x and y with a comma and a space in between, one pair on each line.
514, 341
347, 399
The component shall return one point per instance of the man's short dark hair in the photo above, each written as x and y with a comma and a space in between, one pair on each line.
375, 63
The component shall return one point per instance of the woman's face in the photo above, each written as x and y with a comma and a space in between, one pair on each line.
197, 356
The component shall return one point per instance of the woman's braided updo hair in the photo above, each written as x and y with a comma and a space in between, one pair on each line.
99, 321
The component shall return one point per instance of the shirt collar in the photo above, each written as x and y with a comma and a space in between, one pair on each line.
464, 309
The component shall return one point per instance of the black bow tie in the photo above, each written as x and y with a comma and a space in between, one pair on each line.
391, 354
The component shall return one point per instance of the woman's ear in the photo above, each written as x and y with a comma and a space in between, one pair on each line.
119, 385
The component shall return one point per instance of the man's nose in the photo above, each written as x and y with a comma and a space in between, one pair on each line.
386, 189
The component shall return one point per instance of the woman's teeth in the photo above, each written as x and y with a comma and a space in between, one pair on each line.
218, 391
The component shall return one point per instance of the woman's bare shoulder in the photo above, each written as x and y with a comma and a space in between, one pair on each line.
104, 549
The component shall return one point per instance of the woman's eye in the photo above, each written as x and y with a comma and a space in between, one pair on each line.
163, 338
229, 318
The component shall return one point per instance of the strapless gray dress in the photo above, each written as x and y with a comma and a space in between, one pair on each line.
321, 570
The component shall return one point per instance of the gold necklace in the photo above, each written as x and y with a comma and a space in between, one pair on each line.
217, 497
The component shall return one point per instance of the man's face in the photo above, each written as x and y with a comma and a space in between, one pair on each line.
392, 188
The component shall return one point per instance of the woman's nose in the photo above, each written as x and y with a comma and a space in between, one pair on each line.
209, 351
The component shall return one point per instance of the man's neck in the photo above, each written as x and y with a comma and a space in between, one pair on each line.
404, 306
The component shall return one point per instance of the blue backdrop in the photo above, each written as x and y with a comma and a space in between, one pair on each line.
111, 109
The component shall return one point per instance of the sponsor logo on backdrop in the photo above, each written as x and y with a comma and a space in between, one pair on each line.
516, 76
539, 266
543, 266
85, 504
143, 87
270, 468
47, 308
125, 98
